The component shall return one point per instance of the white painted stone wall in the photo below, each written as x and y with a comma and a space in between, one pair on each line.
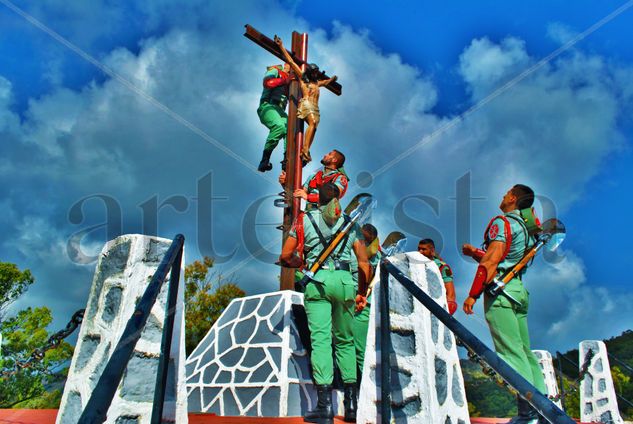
126, 265
598, 402
547, 368
252, 361
426, 378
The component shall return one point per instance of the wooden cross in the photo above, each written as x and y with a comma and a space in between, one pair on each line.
294, 137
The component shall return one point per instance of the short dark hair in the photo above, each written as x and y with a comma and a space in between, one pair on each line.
373, 232
524, 195
311, 73
341, 158
427, 241
327, 192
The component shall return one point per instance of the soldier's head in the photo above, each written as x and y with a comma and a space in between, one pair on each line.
427, 248
327, 192
285, 67
369, 233
518, 197
334, 159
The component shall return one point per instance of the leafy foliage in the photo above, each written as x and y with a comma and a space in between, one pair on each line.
203, 304
13, 283
620, 347
22, 387
485, 397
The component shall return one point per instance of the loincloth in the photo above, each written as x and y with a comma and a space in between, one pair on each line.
306, 108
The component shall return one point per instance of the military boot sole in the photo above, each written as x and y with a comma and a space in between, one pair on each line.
319, 420
263, 167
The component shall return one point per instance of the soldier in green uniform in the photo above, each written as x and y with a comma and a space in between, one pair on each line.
427, 248
272, 110
506, 241
329, 299
361, 317
332, 172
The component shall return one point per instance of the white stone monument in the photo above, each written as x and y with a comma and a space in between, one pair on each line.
125, 268
547, 368
598, 402
426, 379
252, 361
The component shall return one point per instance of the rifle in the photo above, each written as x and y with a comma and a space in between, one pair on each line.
551, 236
356, 210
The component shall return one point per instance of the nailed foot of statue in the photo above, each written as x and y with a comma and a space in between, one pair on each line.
305, 156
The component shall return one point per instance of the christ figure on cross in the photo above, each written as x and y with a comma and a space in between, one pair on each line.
308, 108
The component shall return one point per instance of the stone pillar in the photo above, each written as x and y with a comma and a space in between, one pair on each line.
547, 368
426, 378
252, 362
126, 265
598, 402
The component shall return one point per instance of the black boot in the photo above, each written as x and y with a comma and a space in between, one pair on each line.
323, 413
527, 414
350, 402
264, 164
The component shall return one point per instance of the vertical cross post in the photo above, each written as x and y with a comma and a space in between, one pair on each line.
294, 136
294, 143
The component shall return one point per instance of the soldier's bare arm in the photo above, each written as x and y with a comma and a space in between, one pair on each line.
287, 257
486, 271
364, 269
492, 257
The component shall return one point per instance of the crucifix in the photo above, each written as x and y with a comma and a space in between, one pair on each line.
295, 134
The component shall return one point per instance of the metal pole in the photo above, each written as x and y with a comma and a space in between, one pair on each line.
385, 348
165, 346
96, 409
527, 391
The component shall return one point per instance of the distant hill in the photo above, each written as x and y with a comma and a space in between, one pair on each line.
487, 399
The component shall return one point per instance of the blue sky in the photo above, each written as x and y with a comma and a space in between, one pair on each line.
69, 132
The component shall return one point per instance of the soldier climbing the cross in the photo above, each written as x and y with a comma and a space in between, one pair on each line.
272, 110
332, 171
308, 108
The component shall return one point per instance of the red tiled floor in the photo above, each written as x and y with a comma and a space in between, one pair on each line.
47, 416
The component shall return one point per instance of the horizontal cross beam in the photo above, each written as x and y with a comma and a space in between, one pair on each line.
268, 44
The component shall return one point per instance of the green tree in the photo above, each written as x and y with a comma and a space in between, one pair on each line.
572, 397
28, 386
13, 283
203, 304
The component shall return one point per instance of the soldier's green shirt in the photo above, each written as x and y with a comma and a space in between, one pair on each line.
312, 244
278, 95
521, 240
445, 270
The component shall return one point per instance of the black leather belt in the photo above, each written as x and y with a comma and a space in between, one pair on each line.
337, 266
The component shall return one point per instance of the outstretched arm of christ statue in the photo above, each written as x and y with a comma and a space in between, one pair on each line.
323, 83
295, 68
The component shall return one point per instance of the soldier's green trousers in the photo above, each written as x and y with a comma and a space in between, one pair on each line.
330, 309
509, 330
276, 120
361, 324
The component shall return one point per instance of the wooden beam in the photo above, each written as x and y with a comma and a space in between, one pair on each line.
294, 143
268, 44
